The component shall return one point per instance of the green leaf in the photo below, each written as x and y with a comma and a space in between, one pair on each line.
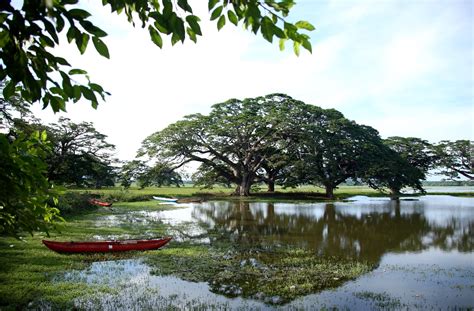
79, 14
212, 4
51, 30
59, 22
77, 93
71, 34
278, 32
304, 25
296, 48
167, 8
96, 87
44, 135
68, 89
232, 17
46, 41
174, 39
193, 22
9, 89
77, 72
88, 94
307, 45
282, 44
101, 47
62, 61
92, 29
177, 27
4, 38
221, 22
185, 5
3, 17
191, 34
155, 36
57, 103
267, 29
81, 41
216, 13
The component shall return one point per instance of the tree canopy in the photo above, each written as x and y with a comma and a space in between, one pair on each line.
455, 158
80, 156
275, 138
235, 139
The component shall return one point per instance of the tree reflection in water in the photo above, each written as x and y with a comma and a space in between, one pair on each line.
364, 233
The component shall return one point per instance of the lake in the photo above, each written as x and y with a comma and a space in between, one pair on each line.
421, 250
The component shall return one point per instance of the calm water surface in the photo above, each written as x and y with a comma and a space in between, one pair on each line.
423, 249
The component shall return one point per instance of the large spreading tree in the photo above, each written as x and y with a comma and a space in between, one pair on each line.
81, 155
333, 149
455, 159
236, 140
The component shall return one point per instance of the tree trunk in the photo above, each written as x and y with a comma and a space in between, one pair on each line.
271, 186
395, 194
236, 191
245, 185
329, 191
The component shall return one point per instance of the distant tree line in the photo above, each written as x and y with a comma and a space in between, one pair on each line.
278, 140
272, 139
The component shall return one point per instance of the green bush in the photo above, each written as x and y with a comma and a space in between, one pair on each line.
74, 202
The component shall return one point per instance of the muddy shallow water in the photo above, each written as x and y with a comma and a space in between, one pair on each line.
423, 251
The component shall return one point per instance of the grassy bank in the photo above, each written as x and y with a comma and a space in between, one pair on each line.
310, 193
28, 268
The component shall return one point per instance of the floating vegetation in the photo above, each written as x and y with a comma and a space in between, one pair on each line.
274, 276
380, 300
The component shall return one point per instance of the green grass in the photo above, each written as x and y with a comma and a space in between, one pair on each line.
290, 194
303, 192
27, 267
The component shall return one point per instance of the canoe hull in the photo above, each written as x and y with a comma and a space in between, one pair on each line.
106, 246
100, 203
165, 199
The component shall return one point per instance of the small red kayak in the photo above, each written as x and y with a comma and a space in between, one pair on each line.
106, 246
100, 203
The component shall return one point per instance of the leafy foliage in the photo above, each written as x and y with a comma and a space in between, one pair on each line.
416, 151
389, 170
24, 188
80, 156
161, 174
28, 36
455, 158
74, 203
130, 172
333, 148
276, 139
234, 140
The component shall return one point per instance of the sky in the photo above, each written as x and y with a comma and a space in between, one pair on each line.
404, 67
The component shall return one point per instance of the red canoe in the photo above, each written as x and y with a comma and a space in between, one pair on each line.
105, 246
100, 203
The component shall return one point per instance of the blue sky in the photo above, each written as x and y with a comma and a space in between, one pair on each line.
402, 67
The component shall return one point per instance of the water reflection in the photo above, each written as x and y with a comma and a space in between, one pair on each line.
363, 229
